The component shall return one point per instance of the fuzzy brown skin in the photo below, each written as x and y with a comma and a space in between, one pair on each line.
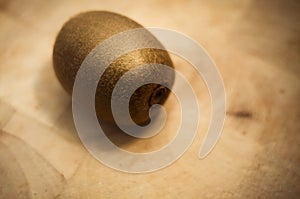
81, 34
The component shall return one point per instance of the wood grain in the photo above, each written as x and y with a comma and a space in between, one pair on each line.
256, 45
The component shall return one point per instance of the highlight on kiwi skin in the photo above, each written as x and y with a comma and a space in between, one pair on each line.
81, 34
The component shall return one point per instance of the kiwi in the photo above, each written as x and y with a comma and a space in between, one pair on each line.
81, 34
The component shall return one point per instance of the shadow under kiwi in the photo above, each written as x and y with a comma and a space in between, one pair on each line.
56, 105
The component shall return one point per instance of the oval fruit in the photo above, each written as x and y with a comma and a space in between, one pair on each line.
81, 34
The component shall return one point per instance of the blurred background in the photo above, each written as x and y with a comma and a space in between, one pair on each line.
256, 46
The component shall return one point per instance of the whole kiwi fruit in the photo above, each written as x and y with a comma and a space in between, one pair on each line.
81, 34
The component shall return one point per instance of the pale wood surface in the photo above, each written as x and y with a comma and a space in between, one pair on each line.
256, 45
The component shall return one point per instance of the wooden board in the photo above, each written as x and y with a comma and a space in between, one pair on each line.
256, 45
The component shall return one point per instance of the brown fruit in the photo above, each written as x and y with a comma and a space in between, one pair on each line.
81, 34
